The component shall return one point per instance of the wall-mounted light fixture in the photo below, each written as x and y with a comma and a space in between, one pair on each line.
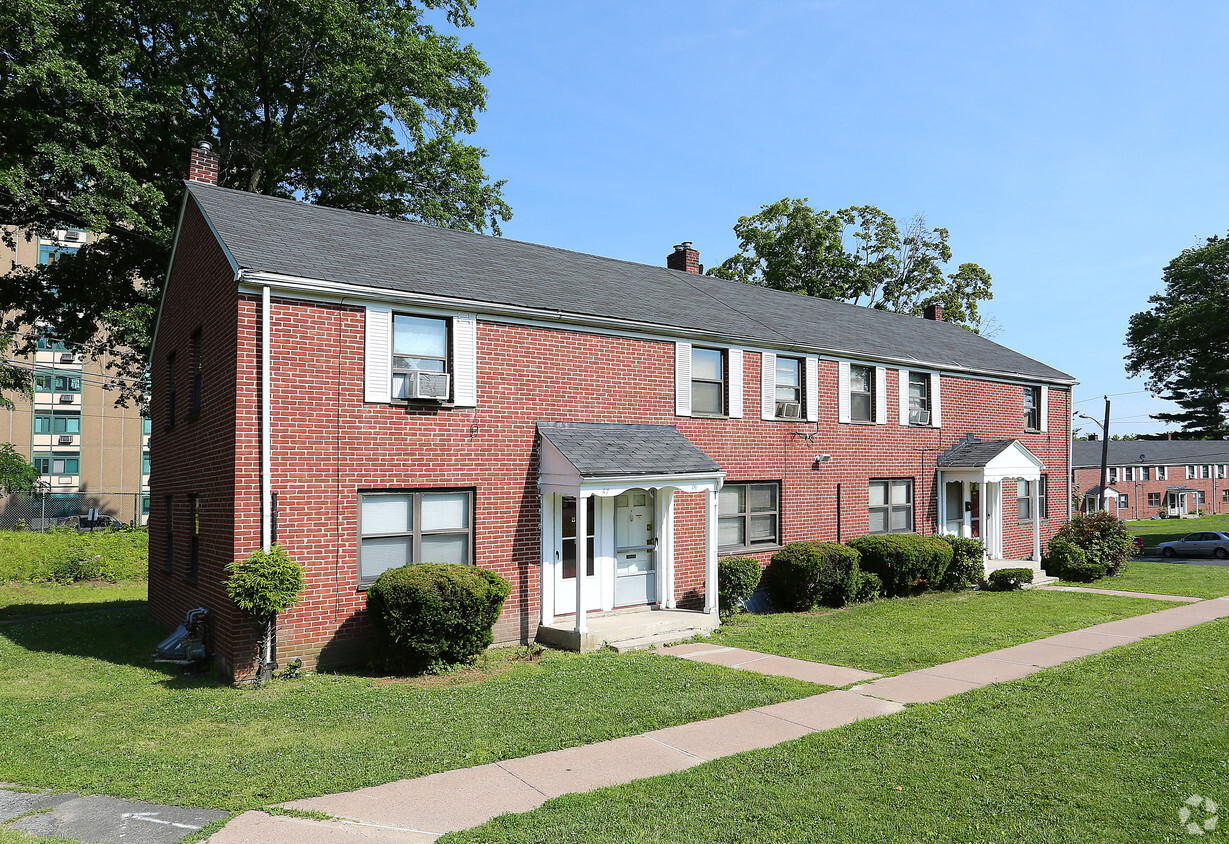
823, 458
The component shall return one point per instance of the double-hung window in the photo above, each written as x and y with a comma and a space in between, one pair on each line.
891, 506
1032, 408
1024, 500
169, 503
194, 405
861, 393
1154, 499
1124, 501
748, 517
708, 380
1144, 473
398, 528
194, 538
420, 357
789, 388
170, 391
919, 398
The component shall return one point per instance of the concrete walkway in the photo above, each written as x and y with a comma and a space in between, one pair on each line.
420, 810
1121, 594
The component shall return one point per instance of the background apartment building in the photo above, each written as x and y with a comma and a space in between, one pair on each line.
90, 453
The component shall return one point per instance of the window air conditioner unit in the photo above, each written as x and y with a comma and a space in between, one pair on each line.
67, 357
919, 417
789, 410
72, 235
66, 439
432, 386
65, 398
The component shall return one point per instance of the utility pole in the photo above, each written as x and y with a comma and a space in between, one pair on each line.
1105, 449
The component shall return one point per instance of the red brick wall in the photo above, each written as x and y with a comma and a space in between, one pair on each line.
1137, 491
196, 456
328, 445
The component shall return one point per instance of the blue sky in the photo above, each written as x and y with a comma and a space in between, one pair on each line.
1072, 149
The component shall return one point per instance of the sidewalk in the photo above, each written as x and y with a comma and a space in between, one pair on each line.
422, 809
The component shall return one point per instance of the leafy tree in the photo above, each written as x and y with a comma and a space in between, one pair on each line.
13, 379
264, 584
16, 474
859, 255
1182, 342
359, 104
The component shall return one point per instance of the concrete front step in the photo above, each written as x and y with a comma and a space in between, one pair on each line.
1040, 578
628, 630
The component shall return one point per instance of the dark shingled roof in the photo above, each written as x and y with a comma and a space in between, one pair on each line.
972, 455
598, 449
1086, 453
270, 234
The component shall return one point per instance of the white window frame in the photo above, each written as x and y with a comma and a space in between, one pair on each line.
731, 381
889, 506
746, 514
461, 365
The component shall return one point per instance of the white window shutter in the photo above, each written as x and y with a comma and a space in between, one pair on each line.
903, 376
881, 392
842, 391
768, 385
682, 379
811, 388
735, 387
1045, 407
936, 402
465, 361
378, 356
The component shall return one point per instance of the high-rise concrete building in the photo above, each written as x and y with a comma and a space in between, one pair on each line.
90, 454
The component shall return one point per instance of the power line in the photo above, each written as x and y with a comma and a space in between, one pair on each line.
1110, 396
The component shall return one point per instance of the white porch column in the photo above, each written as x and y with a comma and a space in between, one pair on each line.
965, 498
665, 546
710, 552
548, 562
582, 561
941, 506
1034, 508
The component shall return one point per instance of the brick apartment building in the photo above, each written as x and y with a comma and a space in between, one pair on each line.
411, 393
1146, 478
89, 453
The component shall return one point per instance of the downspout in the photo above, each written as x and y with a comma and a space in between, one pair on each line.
266, 462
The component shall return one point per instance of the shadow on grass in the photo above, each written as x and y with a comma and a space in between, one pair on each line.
12, 612
123, 637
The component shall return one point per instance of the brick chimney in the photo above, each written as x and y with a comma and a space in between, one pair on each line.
934, 312
203, 164
684, 258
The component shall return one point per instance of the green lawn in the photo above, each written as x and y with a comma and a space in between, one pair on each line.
902, 634
84, 709
19, 600
1156, 531
1167, 579
1104, 749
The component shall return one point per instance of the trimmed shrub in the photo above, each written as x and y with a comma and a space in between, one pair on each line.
265, 583
905, 562
870, 587
1067, 561
737, 578
427, 615
1009, 580
1103, 538
968, 567
803, 575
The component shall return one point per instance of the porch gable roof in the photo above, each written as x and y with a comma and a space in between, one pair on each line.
994, 460
597, 449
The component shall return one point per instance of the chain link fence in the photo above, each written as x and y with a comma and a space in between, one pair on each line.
72, 509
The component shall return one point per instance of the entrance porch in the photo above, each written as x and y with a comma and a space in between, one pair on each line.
609, 549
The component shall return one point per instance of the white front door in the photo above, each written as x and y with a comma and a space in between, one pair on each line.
565, 568
635, 548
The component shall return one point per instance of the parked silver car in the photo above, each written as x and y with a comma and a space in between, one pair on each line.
1209, 542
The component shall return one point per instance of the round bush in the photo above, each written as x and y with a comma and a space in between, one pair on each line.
1009, 580
430, 614
905, 562
968, 567
1085, 572
1064, 557
803, 575
737, 578
1103, 538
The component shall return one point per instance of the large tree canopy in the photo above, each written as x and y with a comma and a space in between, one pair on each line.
857, 255
358, 104
1182, 342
